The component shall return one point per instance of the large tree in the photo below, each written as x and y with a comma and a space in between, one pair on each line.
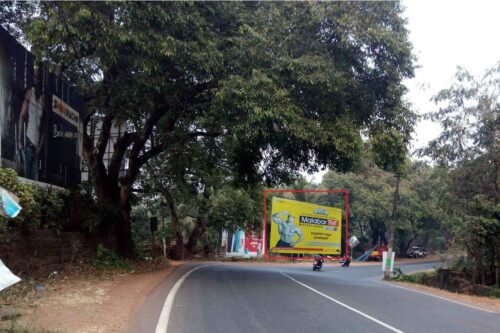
287, 86
469, 145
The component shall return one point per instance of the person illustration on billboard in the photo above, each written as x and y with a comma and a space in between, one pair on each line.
287, 230
29, 141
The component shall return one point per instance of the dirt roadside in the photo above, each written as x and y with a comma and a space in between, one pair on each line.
103, 304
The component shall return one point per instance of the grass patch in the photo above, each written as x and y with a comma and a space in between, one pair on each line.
426, 278
15, 328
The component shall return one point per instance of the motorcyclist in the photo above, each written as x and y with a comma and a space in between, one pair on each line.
318, 261
345, 261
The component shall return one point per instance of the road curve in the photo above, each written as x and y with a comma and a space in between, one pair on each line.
293, 298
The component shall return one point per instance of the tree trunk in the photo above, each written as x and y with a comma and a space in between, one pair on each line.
497, 267
201, 222
390, 242
123, 225
176, 225
116, 215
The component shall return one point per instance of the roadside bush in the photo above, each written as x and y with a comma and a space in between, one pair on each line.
50, 208
455, 281
486, 291
29, 217
459, 264
106, 258
53, 214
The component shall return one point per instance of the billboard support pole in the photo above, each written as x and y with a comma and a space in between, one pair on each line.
264, 233
346, 199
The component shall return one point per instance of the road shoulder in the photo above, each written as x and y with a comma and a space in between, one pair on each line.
486, 303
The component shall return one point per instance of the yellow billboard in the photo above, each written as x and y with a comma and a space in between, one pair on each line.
301, 227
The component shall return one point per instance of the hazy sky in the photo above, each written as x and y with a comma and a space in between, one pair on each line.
446, 34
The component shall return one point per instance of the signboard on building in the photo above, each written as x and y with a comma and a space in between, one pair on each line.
39, 118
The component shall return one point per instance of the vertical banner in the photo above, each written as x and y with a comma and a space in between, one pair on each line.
301, 227
388, 263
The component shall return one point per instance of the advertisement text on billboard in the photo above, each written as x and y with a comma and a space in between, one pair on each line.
300, 227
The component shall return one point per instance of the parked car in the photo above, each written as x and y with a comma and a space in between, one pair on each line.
416, 252
377, 253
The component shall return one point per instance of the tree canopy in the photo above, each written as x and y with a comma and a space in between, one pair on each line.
285, 86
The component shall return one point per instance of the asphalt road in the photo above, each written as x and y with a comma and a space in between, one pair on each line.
292, 298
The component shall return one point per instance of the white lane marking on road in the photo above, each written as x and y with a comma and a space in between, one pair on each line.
443, 298
162, 325
344, 305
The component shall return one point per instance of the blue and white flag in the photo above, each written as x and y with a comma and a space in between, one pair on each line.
9, 204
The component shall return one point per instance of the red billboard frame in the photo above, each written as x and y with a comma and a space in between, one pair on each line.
346, 200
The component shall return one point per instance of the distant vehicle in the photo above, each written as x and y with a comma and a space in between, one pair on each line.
377, 253
416, 252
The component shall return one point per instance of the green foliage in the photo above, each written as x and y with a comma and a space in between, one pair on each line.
494, 292
468, 113
459, 264
390, 152
27, 194
54, 213
469, 145
50, 208
305, 100
302, 78
14, 16
106, 258
278, 87
432, 279
370, 201
85, 213
233, 208
419, 277
140, 224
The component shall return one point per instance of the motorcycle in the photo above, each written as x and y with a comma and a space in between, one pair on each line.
345, 261
318, 264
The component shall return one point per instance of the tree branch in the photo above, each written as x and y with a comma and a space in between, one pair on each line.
148, 129
73, 45
153, 152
